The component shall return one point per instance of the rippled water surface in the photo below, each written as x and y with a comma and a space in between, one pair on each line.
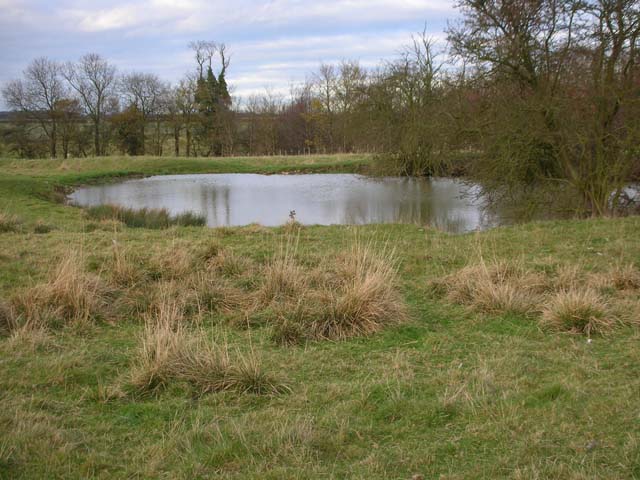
324, 199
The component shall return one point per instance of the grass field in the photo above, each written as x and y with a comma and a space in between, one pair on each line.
385, 351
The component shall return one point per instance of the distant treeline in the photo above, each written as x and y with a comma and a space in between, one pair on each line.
536, 99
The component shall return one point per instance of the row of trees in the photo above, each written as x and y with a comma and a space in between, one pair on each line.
531, 97
85, 108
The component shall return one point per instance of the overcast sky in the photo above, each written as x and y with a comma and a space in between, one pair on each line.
272, 43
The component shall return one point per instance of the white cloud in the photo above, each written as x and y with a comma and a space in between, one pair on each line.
194, 15
272, 42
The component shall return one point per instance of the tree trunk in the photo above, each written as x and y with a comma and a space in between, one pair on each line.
96, 137
52, 146
176, 141
143, 134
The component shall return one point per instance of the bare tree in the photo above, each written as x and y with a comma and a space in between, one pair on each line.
146, 92
37, 96
326, 80
93, 79
562, 103
349, 93
68, 114
204, 51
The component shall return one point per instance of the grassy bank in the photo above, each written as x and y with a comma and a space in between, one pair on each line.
310, 352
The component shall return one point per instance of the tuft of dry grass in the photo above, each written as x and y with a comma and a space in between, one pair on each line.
30, 337
42, 227
228, 263
168, 353
194, 296
578, 311
503, 298
8, 322
567, 300
568, 277
9, 223
163, 340
209, 368
369, 298
361, 301
282, 277
207, 251
124, 269
210, 294
69, 296
499, 287
172, 263
105, 225
624, 277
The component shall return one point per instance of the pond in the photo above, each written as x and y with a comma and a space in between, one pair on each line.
323, 199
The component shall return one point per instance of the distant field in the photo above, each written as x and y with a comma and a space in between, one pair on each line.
511, 353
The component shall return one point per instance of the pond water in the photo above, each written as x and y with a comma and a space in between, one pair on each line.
323, 199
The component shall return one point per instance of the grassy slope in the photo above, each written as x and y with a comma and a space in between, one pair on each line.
450, 394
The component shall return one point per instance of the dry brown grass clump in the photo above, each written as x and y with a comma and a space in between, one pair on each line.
282, 277
362, 301
499, 287
169, 353
213, 256
624, 277
7, 319
369, 298
106, 225
211, 294
71, 295
567, 300
195, 296
229, 264
41, 227
174, 262
9, 223
124, 268
579, 311
207, 251
163, 340
568, 277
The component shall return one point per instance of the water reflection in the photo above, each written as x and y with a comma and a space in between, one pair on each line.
240, 199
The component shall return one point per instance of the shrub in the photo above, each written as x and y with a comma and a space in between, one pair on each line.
579, 311
145, 217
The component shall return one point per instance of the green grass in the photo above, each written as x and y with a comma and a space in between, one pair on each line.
451, 392
145, 217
